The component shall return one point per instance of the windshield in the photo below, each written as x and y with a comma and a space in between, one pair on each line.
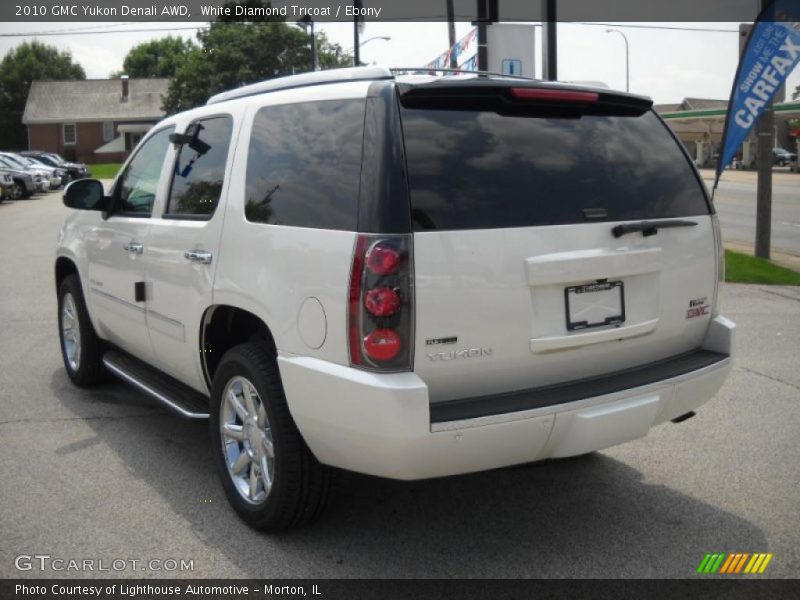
12, 164
41, 160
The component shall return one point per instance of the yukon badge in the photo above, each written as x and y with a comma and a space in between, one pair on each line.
459, 354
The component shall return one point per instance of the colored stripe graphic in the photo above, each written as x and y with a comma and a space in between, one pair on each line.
741, 562
727, 564
734, 563
750, 566
703, 563
765, 563
718, 563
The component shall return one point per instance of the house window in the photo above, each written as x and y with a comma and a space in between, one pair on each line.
108, 131
70, 134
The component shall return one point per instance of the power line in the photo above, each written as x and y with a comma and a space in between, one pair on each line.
103, 29
664, 27
56, 33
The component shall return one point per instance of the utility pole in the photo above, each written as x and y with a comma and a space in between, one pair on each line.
549, 40
356, 44
451, 33
764, 133
483, 16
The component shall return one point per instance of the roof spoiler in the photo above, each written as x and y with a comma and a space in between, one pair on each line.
514, 97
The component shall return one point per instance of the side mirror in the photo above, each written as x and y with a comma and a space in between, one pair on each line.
85, 194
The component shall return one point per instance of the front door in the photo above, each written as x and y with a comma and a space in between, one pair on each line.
182, 249
116, 249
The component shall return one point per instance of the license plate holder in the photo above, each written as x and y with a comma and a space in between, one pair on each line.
594, 305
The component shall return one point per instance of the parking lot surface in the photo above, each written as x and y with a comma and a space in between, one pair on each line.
105, 474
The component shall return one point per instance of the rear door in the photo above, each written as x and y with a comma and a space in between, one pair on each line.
183, 248
556, 238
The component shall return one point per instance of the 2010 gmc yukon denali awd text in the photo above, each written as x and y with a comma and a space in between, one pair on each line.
407, 276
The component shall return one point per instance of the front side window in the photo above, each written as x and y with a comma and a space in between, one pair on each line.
70, 134
304, 164
200, 168
136, 187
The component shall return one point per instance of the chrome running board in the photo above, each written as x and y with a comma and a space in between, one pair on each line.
179, 398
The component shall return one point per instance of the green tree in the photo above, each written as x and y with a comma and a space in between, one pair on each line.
156, 58
231, 54
26, 63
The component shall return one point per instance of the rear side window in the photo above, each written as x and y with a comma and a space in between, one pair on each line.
304, 164
481, 170
200, 170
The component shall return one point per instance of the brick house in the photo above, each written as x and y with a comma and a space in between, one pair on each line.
93, 120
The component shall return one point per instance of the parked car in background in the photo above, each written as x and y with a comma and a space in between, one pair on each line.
65, 175
23, 184
76, 170
53, 175
40, 177
6, 181
782, 157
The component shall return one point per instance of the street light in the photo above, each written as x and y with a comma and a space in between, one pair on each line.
305, 23
627, 59
385, 38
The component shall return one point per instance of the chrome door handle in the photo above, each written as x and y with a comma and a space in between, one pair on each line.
199, 256
134, 247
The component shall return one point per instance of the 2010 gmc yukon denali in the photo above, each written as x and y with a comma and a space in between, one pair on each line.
408, 276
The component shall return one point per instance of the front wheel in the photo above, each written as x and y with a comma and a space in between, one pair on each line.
15, 192
81, 349
269, 475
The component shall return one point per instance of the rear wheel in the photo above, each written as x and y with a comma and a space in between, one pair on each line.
269, 475
81, 349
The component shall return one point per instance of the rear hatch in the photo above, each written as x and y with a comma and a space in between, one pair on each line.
559, 234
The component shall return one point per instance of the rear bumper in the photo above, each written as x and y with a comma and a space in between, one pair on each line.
381, 424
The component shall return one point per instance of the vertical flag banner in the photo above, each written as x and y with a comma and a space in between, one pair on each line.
772, 51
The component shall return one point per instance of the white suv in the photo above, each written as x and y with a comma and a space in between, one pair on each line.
405, 276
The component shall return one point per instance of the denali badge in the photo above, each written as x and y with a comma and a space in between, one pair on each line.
455, 354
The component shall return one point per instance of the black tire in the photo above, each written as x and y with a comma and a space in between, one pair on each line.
301, 485
88, 369
15, 192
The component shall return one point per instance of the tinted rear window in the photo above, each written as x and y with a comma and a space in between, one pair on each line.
304, 164
481, 170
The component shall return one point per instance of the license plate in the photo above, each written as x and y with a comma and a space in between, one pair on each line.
594, 305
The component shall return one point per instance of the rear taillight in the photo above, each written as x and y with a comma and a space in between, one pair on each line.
381, 303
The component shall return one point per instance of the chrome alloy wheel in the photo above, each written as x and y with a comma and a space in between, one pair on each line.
246, 440
71, 332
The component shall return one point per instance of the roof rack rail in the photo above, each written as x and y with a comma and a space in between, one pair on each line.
423, 70
345, 75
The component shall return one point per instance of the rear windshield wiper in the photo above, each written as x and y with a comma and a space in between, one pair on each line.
649, 227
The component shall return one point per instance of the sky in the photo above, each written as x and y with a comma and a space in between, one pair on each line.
665, 64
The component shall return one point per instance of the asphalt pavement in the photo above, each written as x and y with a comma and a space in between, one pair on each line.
106, 475
735, 200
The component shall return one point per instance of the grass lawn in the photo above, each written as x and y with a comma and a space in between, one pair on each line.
741, 268
104, 170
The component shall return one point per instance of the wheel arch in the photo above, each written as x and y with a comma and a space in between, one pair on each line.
224, 326
64, 267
